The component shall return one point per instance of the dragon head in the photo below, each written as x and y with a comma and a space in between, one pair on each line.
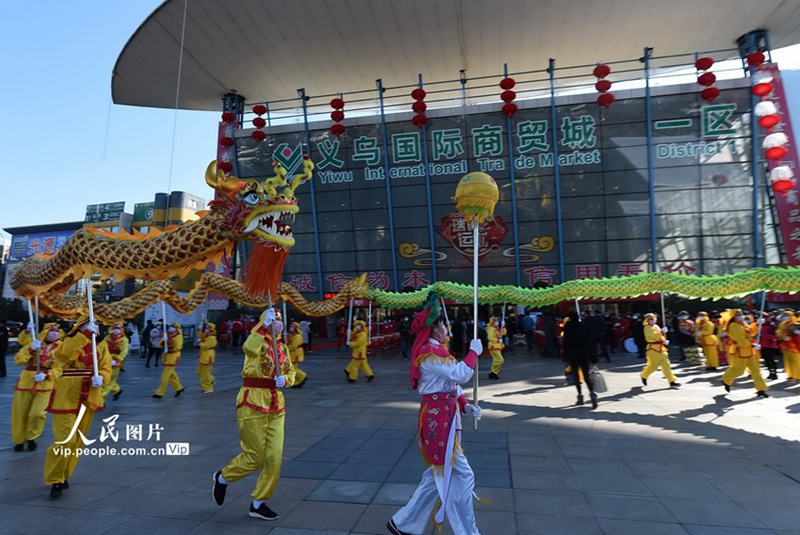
259, 211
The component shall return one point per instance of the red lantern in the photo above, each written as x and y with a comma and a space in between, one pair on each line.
508, 96
225, 167
419, 120
337, 104
337, 116
776, 153
259, 122
719, 179
419, 106
783, 186
226, 141
703, 64
605, 100
228, 117
418, 94
763, 89
755, 59
259, 109
601, 71
603, 85
258, 135
509, 109
507, 83
768, 121
337, 129
709, 93
706, 79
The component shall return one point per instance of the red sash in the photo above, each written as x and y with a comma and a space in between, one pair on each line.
436, 415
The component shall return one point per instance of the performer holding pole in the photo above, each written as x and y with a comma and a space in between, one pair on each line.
476, 196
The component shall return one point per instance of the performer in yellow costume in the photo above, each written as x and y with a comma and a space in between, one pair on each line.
260, 410
358, 346
172, 357
118, 345
297, 353
495, 330
32, 391
77, 395
657, 354
742, 347
787, 332
708, 340
206, 358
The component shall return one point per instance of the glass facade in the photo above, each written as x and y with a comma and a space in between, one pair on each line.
702, 193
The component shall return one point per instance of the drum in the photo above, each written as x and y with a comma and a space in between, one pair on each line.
630, 345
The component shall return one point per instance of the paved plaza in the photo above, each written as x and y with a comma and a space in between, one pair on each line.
649, 460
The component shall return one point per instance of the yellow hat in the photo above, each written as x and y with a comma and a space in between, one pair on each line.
211, 327
46, 328
83, 318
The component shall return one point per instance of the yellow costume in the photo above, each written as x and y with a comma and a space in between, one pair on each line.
657, 354
74, 392
206, 358
786, 333
260, 411
495, 332
29, 407
172, 357
741, 338
297, 353
708, 340
118, 345
358, 346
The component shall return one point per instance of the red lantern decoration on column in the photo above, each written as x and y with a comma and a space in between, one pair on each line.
706, 79
258, 134
605, 98
781, 176
337, 116
419, 107
508, 96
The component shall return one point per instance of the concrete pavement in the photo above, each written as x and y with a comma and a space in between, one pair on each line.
650, 460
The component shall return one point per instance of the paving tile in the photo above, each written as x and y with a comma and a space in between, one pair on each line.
332, 490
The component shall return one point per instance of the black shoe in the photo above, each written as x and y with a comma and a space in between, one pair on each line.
178, 393
65, 485
674, 384
594, 400
762, 394
218, 493
727, 386
580, 400
644, 381
157, 396
263, 512
772, 377
116, 396
347, 376
31, 445
711, 368
493, 375
55, 490
146, 365
19, 447
394, 530
370, 378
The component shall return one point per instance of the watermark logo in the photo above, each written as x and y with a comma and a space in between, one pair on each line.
109, 433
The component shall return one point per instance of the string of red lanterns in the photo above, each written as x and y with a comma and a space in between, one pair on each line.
508, 96
337, 116
225, 154
605, 98
258, 134
781, 176
419, 107
707, 79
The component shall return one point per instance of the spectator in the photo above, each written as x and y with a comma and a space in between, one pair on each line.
405, 335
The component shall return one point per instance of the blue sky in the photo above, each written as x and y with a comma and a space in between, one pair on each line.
66, 146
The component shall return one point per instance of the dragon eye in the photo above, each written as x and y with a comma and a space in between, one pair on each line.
251, 198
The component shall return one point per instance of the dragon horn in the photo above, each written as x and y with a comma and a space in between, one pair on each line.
308, 167
217, 179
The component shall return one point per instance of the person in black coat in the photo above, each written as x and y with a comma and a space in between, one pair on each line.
578, 353
4, 335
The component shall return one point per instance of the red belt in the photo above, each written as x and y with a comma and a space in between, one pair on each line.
440, 396
255, 382
77, 373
